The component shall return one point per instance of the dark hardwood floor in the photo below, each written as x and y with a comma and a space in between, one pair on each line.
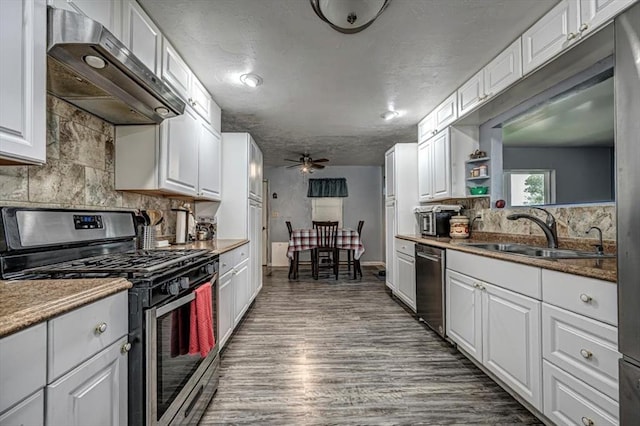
344, 352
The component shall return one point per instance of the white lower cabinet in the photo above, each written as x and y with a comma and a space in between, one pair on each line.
406, 279
241, 288
500, 329
569, 401
29, 412
390, 252
95, 393
225, 308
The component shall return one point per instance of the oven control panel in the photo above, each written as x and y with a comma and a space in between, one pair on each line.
93, 221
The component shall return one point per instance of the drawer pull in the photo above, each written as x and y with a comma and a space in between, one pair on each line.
586, 421
585, 353
101, 328
586, 298
125, 348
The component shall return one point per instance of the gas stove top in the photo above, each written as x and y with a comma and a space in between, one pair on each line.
131, 264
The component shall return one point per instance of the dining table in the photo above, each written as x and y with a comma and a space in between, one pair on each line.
307, 239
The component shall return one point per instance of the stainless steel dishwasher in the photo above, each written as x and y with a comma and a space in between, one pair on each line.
430, 263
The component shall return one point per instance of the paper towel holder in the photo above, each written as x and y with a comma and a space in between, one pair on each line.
182, 225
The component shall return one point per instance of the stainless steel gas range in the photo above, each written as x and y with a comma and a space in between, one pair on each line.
166, 384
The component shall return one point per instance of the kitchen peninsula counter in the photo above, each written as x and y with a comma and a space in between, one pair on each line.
28, 302
603, 269
218, 246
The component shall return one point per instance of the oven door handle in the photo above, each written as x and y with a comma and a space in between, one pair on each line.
175, 304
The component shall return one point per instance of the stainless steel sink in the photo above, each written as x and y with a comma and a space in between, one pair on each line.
539, 252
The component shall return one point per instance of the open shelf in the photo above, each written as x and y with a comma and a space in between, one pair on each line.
478, 178
478, 160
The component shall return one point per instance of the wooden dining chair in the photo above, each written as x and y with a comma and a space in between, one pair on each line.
326, 255
293, 263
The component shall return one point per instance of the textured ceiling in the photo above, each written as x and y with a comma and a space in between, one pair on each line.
324, 91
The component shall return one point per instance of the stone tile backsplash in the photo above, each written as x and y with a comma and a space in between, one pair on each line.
80, 169
572, 221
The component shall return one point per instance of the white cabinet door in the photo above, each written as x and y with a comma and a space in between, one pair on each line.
594, 13
179, 139
241, 290
226, 308
95, 393
209, 164
550, 35
511, 341
175, 71
406, 283
426, 128
569, 401
255, 171
29, 412
446, 112
471, 93
390, 174
504, 70
200, 99
255, 250
464, 313
23, 37
142, 36
441, 164
106, 12
390, 251
425, 170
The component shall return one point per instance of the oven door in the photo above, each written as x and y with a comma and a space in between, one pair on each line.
172, 373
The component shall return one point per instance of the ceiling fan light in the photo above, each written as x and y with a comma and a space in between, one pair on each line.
251, 80
349, 16
389, 115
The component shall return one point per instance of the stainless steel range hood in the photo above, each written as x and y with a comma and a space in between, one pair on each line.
90, 68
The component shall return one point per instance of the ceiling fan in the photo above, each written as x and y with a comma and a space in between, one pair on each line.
307, 164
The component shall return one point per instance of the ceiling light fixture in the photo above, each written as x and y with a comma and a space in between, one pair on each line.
389, 115
351, 16
251, 80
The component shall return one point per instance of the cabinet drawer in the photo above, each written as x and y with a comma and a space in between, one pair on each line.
586, 348
406, 247
23, 364
240, 254
569, 401
227, 262
76, 336
29, 412
522, 279
586, 296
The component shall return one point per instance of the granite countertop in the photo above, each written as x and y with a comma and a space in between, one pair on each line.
29, 302
218, 246
603, 269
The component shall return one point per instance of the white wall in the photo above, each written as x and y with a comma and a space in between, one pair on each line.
363, 203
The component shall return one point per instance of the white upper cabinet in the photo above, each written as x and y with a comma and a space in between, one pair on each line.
441, 160
390, 173
141, 35
471, 93
446, 112
504, 70
209, 170
554, 32
594, 13
255, 172
179, 76
179, 153
107, 12
426, 128
23, 37
175, 71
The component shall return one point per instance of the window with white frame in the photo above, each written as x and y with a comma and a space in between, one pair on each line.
529, 187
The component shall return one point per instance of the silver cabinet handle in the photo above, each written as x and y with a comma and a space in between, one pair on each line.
125, 348
585, 353
586, 298
586, 421
584, 27
101, 328
571, 36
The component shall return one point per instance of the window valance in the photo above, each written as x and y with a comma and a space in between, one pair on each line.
328, 187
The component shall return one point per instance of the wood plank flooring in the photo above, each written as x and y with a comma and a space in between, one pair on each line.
344, 352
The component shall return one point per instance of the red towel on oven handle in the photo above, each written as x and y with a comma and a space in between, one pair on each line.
201, 338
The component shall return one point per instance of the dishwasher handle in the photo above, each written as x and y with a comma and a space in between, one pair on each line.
429, 257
